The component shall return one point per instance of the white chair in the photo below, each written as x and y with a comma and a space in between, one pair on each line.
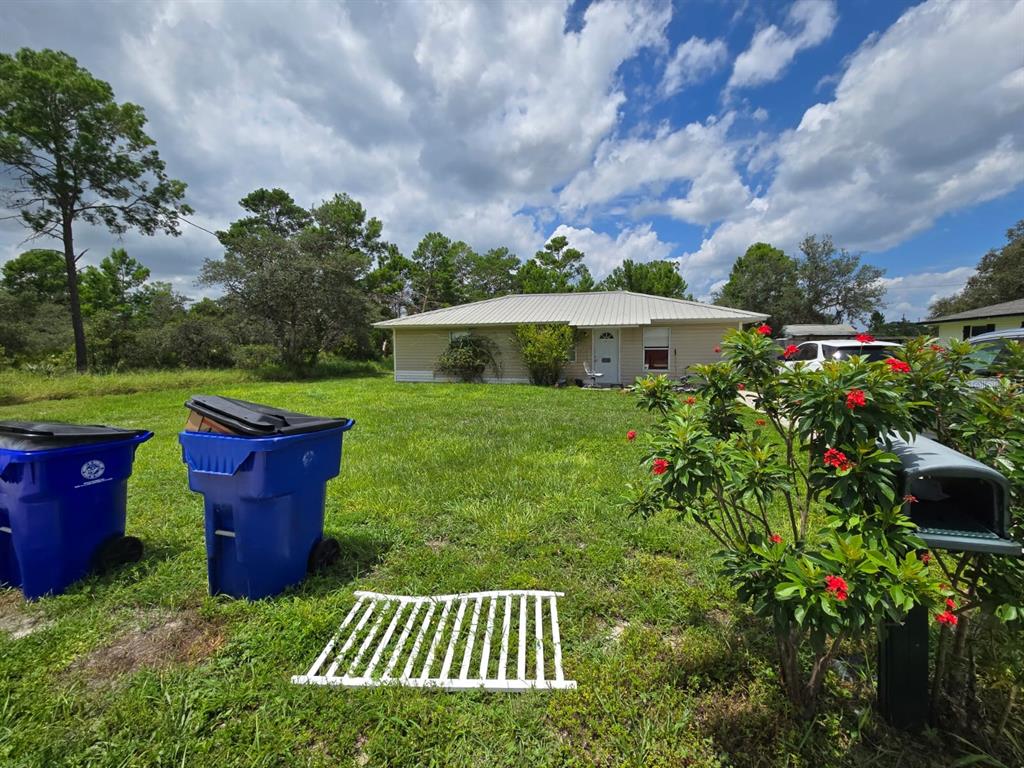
592, 374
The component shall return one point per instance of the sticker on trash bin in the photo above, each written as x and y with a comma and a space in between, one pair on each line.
93, 469
307, 458
516, 632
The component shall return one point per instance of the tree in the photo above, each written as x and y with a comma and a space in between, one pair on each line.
439, 269
115, 286
658, 278
37, 274
492, 274
556, 268
764, 279
879, 326
389, 283
835, 286
75, 154
1000, 277
299, 273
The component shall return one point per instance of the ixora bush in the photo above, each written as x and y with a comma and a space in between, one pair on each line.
545, 349
468, 357
803, 504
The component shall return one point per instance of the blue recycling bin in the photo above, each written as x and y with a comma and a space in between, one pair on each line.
63, 499
264, 499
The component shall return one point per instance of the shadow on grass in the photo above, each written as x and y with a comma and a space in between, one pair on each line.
360, 554
329, 369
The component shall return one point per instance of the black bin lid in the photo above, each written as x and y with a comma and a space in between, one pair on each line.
256, 419
43, 435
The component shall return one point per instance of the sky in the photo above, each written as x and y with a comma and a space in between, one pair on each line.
641, 130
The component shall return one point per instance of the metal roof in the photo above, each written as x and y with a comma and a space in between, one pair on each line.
583, 310
818, 329
1015, 307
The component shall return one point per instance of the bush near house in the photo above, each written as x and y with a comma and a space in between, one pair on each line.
468, 357
545, 349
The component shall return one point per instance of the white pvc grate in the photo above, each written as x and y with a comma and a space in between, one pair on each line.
505, 640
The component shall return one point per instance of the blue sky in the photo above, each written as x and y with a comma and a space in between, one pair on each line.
638, 129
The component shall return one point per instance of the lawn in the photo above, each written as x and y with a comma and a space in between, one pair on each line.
443, 488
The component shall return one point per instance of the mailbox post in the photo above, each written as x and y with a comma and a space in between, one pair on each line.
961, 505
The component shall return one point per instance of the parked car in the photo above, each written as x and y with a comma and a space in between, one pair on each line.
814, 353
990, 346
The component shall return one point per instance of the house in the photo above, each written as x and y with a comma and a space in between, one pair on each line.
799, 333
622, 334
995, 317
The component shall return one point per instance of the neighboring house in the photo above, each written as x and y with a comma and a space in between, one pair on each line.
799, 333
964, 325
621, 334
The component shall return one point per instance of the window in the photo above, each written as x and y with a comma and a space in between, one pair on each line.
975, 330
453, 335
656, 349
806, 352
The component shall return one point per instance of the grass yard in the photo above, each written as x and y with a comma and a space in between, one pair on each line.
443, 488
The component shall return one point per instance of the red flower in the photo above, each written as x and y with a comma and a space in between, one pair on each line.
716, 350
660, 467
789, 351
691, 400
837, 586
937, 348
897, 366
631, 435
837, 459
910, 499
946, 617
865, 338
855, 399
950, 604
926, 557
775, 538
741, 387
764, 329
760, 422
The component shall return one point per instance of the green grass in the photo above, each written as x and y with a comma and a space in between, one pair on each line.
443, 488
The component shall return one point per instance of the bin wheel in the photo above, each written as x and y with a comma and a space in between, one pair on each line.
324, 554
116, 551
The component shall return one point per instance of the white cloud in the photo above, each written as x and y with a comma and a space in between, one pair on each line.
693, 61
604, 253
909, 295
697, 154
808, 23
433, 115
927, 118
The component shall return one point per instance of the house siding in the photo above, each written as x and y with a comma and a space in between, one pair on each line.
416, 352
954, 329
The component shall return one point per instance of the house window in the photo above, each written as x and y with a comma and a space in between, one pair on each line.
453, 335
976, 330
656, 349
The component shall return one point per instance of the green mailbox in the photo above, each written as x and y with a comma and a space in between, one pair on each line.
959, 505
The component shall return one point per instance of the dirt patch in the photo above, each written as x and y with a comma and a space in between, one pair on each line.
182, 638
361, 757
15, 620
437, 544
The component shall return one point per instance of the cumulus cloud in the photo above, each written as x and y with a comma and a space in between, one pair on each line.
927, 118
434, 115
604, 252
697, 155
692, 62
910, 295
808, 23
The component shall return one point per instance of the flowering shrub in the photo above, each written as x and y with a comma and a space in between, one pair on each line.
820, 470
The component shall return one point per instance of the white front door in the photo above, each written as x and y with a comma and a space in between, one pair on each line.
606, 354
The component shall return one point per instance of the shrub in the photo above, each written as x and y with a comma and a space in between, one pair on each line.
545, 349
468, 357
802, 504
252, 357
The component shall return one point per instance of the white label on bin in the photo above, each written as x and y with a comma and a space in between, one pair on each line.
93, 469
307, 458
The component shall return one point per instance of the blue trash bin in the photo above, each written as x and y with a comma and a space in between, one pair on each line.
263, 495
63, 497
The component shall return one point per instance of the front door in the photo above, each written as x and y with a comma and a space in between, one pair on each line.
606, 354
